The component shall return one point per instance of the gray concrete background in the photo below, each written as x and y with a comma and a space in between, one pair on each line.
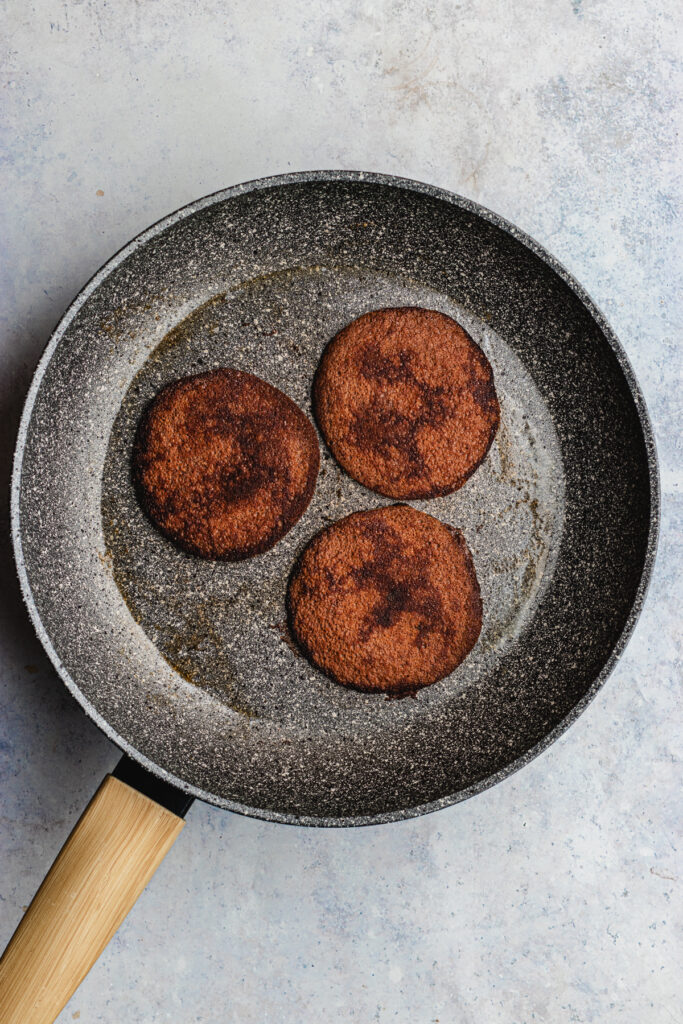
555, 896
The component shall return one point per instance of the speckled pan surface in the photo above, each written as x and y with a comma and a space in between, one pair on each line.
186, 664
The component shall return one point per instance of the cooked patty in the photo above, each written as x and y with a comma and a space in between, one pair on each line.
224, 463
406, 402
386, 600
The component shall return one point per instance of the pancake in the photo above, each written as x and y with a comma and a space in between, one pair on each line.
386, 600
406, 402
224, 464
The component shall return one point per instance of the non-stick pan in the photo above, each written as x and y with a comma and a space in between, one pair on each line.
188, 665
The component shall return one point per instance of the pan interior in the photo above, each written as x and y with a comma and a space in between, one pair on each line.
222, 626
186, 663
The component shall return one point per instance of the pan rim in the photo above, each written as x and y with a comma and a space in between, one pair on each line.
405, 184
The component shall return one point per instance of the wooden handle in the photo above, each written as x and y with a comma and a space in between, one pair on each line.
107, 861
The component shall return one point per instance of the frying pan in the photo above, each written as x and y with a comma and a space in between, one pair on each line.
187, 665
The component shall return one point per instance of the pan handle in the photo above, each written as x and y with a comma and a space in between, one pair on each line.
117, 845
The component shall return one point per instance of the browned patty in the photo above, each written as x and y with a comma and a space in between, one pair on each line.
225, 463
406, 402
386, 600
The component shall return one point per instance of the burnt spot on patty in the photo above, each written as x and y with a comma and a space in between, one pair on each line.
406, 402
224, 464
386, 600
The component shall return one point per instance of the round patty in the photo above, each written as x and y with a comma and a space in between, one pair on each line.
386, 600
225, 464
406, 402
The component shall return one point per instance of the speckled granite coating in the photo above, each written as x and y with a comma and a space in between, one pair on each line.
198, 680
552, 896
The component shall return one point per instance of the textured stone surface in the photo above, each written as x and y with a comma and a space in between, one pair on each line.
551, 897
